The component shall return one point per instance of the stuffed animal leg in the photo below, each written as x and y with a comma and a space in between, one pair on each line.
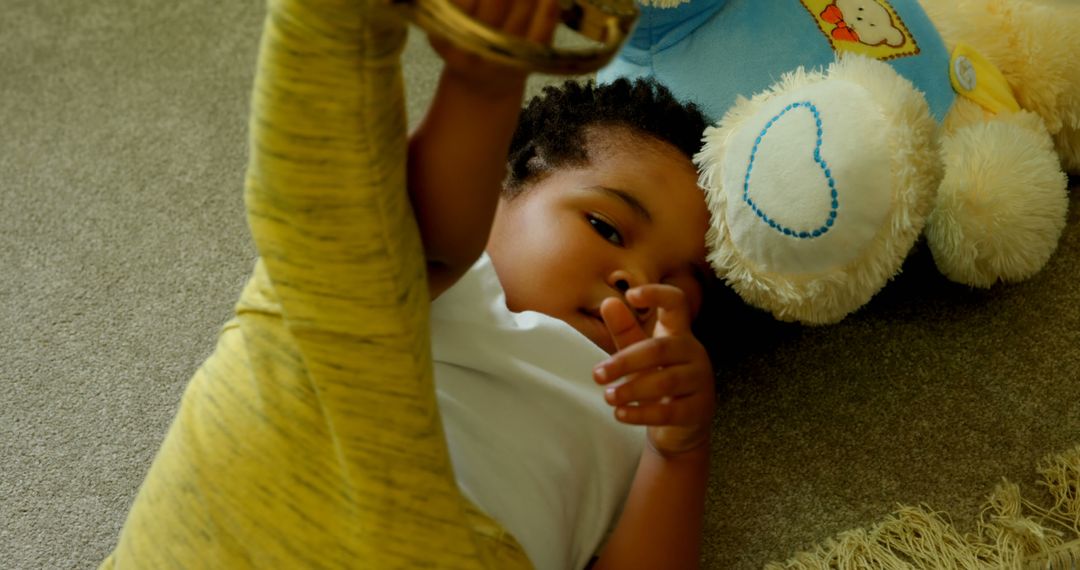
1002, 205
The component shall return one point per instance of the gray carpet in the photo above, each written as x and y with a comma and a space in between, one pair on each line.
123, 247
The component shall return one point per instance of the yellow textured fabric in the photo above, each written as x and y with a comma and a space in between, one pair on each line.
311, 437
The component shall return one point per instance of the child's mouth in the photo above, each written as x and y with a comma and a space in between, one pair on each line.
597, 330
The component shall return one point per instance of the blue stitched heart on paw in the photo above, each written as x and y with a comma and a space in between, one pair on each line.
830, 220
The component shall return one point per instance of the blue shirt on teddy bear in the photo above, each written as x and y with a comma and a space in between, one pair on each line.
711, 51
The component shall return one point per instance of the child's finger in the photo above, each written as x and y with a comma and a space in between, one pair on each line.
655, 387
466, 6
440, 43
672, 308
520, 16
646, 356
678, 412
547, 16
492, 12
622, 325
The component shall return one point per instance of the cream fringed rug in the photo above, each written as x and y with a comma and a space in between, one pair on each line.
1012, 533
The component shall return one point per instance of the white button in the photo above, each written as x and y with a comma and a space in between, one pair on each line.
965, 73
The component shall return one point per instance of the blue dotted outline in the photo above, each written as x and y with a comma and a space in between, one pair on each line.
817, 158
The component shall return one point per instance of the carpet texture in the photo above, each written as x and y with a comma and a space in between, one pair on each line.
123, 247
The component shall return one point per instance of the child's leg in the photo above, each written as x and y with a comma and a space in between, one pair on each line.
311, 438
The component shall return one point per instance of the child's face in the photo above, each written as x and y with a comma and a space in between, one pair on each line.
633, 215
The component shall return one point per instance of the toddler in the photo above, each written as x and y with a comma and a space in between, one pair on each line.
315, 437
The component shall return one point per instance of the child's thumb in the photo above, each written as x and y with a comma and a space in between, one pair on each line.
621, 323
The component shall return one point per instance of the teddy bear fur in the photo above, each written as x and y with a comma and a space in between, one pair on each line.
787, 276
1035, 46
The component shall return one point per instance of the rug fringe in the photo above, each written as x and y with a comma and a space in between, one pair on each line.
1012, 533
1064, 557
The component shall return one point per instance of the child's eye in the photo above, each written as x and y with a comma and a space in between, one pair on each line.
606, 230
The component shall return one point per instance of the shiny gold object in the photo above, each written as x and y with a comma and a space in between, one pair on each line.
605, 22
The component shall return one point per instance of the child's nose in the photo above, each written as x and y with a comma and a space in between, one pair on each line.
623, 281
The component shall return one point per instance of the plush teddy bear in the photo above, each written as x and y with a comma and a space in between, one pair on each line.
847, 129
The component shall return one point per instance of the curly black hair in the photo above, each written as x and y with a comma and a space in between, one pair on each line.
551, 131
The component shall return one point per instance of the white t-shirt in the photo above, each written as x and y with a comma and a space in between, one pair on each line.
531, 439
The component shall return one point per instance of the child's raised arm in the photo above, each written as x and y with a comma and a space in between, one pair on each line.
457, 156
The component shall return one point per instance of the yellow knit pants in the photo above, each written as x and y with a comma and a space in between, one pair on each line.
311, 437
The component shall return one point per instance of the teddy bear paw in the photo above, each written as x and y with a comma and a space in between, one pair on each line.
819, 187
1002, 205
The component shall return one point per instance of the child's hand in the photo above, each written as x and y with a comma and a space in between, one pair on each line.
669, 381
533, 20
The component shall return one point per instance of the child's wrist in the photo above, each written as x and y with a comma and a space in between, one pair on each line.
692, 449
507, 88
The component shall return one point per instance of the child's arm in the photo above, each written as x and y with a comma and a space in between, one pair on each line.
457, 156
661, 523
669, 379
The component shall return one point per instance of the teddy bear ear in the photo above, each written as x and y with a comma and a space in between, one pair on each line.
819, 187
